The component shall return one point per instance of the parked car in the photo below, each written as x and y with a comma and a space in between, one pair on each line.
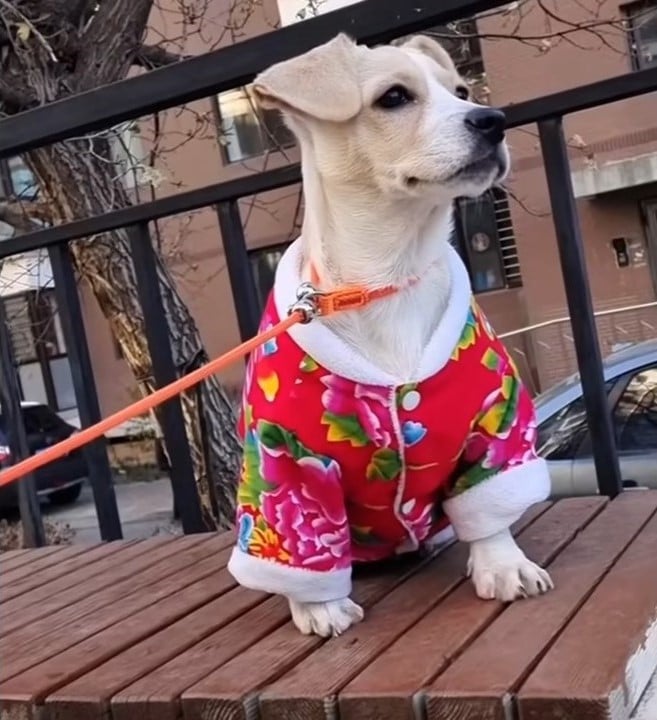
61, 481
563, 432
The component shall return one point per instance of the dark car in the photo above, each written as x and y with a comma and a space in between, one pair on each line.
60, 481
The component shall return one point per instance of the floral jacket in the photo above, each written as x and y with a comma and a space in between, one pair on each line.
344, 464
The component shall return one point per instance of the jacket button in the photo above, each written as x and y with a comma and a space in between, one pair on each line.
411, 400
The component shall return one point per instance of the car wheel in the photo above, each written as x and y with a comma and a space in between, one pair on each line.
66, 496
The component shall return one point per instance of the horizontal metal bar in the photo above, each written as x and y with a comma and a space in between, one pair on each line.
154, 210
566, 318
567, 101
370, 22
584, 97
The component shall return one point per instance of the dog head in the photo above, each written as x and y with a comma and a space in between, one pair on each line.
396, 118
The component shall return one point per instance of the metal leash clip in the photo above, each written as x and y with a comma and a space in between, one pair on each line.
306, 302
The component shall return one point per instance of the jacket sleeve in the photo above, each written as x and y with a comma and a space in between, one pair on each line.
292, 532
499, 474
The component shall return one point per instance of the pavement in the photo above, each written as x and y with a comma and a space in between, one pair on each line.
145, 509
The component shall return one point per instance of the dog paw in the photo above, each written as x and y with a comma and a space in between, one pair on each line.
325, 618
500, 570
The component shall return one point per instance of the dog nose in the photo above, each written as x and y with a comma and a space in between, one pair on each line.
488, 122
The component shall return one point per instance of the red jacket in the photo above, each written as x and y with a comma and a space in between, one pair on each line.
338, 470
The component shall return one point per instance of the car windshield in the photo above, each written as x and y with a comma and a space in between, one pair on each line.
556, 390
38, 419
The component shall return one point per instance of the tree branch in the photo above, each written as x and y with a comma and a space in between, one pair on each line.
15, 214
155, 56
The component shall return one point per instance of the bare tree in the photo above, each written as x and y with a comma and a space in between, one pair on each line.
48, 50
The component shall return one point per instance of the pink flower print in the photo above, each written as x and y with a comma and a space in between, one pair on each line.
488, 451
355, 412
306, 509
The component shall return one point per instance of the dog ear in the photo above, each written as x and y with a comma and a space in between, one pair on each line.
433, 49
321, 83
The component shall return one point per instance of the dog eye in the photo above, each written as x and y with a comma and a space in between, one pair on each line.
394, 97
462, 92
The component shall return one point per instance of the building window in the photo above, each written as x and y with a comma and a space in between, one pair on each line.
642, 29
246, 130
17, 180
485, 240
39, 349
263, 268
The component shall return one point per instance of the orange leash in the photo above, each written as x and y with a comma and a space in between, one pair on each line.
311, 303
93, 432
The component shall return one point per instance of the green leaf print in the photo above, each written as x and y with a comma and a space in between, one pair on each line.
274, 436
491, 360
471, 477
345, 427
511, 391
307, 364
252, 484
385, 465
468, 336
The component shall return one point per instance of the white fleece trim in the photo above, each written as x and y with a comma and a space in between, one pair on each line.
331, 352
495, 504
294, 583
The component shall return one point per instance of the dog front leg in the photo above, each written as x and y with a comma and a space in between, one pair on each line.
500, 570
326, 619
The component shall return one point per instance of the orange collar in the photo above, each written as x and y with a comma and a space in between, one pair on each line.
350, 297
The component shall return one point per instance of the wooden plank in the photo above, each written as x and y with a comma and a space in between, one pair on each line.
10, 559
424, 650
88, 697
481, 682
109, 582
21, 693
62, 568
230, 690
310, 690
600, 665
63, 591
38, 643
40, 563
157, 695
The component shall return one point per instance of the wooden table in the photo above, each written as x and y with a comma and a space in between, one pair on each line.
157, 630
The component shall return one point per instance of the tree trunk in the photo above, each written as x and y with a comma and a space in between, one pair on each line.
50, 49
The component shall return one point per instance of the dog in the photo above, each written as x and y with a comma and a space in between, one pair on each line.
388, 428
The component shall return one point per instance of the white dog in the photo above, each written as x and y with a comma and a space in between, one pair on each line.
377, 430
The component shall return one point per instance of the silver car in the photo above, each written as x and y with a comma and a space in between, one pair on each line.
563, 433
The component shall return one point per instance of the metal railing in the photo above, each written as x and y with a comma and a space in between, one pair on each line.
370, 21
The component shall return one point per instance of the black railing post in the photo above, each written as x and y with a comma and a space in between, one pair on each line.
86, 395
33, 532
580, 305
242, 283
186, 500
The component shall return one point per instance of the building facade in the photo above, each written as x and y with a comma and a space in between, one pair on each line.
507, 239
